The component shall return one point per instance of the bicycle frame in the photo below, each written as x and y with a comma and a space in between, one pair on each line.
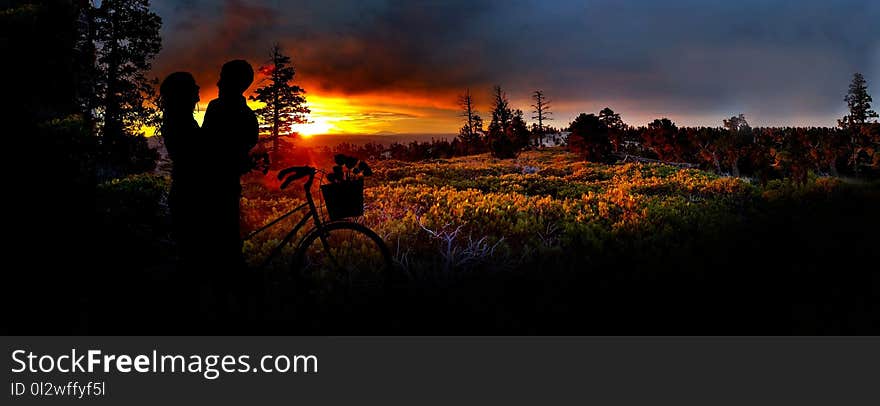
312, 214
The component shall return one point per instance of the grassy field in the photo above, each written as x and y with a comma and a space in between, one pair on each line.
477, 212
544, 243
535, 243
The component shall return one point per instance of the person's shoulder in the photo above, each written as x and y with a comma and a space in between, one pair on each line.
214, 108
214, 103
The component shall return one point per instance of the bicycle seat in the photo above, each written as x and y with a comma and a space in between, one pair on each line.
293, 173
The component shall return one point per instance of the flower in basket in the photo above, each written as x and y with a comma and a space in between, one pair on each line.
348, 168
344, 194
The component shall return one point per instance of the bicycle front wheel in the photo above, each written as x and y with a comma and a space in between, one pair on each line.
344, 254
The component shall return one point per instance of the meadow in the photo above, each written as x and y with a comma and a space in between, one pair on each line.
447, 216
549, 243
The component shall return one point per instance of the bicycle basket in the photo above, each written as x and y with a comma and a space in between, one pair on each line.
344, 199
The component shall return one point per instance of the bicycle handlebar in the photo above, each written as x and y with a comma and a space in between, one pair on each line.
298, 172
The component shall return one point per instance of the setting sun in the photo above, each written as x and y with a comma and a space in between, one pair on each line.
318, 125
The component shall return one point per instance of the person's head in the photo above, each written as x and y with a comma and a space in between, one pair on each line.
235, 77
178, 94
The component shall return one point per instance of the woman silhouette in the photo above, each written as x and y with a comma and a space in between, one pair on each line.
178, 96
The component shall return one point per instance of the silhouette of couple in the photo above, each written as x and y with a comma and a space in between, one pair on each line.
206, 189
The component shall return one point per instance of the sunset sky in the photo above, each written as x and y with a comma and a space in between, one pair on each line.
387, 66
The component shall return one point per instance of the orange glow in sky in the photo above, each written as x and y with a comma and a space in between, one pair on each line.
364, 114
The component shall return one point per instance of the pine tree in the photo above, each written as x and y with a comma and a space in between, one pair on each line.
285, 104
859, 102
615, 125
501, 112
500, 128
519, 132
125, 34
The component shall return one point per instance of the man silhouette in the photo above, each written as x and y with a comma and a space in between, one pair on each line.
231, 131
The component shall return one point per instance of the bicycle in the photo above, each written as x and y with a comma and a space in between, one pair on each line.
335, 252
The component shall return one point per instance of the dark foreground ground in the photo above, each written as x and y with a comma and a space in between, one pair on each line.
795, 267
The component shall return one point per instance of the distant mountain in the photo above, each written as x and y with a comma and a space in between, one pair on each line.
384, 137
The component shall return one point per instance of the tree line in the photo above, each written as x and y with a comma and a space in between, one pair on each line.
734, 148
85, 94
738, 149
507, 132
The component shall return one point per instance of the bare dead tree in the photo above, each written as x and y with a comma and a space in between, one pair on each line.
542, 112
466, 101
469, 134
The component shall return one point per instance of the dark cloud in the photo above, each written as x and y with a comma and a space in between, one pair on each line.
199, 36
776, 61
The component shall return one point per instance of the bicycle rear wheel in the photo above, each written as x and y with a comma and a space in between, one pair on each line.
343, 256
